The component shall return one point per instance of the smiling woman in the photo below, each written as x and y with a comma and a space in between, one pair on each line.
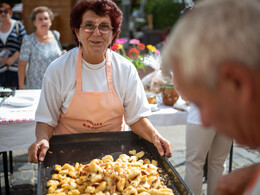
92, 85
94, 36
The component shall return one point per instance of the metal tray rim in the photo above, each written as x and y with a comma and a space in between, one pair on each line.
94, 137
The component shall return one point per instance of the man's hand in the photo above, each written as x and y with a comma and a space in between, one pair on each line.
236, 182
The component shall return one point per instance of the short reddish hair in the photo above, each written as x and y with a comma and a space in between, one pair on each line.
101, 8
5, 6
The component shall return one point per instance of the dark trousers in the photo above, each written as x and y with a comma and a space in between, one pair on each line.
9, 79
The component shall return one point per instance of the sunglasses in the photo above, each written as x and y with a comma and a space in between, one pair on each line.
5, 11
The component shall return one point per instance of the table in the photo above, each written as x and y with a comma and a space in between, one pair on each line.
168, 116
17, 124
17, 128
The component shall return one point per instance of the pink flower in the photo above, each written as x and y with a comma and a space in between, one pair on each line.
134, 41
157, 51
121, 41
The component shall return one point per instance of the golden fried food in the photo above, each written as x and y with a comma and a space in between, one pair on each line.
127, 175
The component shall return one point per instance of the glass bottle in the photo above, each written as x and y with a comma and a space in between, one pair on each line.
169, 94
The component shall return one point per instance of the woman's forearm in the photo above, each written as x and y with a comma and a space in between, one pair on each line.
11, 60
16, 55
21, 73
43, 131
144, 128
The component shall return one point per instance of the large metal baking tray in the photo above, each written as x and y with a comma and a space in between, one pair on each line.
83, 148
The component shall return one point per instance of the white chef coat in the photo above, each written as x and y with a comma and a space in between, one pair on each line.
59, 85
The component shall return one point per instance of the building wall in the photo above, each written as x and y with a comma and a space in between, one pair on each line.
61, 10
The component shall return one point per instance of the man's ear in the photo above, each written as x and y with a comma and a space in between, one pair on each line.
239, 79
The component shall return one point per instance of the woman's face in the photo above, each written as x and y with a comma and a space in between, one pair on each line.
5, 14
95, 42
42, 21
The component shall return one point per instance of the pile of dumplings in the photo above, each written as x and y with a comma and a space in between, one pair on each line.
128, 175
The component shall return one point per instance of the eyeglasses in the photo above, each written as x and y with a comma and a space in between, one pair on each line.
103, 28
5, 11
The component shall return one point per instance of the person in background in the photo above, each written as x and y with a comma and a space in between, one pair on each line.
11, 35
92, 89
219, 71
38, 50
200, 142
203, 143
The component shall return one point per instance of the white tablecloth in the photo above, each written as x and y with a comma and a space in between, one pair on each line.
17, 136
17, 124
168, 116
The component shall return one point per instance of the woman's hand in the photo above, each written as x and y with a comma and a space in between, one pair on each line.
37, 151
163, 146
3, 60
11, 60
144, 128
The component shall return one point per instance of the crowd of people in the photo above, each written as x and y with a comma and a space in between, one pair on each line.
26, 56
211, 54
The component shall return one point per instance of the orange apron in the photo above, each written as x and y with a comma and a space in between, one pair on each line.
92, 112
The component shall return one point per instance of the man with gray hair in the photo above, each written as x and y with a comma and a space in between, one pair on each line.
213, 52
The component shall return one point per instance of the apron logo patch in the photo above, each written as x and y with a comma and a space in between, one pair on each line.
91, 125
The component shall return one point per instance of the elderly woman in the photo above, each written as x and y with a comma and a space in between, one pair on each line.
39, 49
91, 88
11, 35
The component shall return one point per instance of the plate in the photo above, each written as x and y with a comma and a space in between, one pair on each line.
19, 101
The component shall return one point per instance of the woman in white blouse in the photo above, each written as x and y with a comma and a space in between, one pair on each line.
91, 88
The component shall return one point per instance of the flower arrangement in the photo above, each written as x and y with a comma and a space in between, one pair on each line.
136, 54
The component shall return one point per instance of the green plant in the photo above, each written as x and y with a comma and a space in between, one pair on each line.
150, 6
165, 12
